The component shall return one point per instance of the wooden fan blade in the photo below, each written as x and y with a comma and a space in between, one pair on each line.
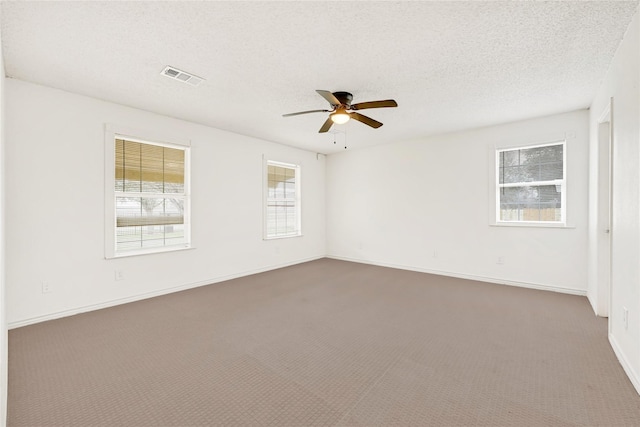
330, 97
374, 104
327, 125
366, 120
306, 112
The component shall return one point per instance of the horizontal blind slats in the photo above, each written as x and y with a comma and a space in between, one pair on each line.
149, 220
137, 162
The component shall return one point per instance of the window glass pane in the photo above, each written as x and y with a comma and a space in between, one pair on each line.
271, 189
148, 211
531, 203
152, 236
511, 157
511, 174
279, 190
281, 219
551, 170
531, 164
174, 235
148, 222
290, 189
546, 154
277, 177
128, 238
140, 237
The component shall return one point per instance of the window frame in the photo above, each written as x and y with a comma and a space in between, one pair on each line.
266, 199
562, 182
113, 132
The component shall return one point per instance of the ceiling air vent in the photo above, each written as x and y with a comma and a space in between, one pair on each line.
183, 76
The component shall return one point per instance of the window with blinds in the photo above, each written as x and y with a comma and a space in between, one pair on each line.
531, 184
151, 202
282, 206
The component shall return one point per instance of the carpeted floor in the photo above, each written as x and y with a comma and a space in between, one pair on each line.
325, 343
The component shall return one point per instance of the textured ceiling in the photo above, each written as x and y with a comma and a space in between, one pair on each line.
449, 65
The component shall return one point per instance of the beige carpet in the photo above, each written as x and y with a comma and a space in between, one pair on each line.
325, 343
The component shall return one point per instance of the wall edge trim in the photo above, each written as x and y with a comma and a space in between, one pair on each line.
593, 303
628, 369
146, 295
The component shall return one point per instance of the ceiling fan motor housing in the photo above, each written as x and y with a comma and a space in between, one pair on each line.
345, 98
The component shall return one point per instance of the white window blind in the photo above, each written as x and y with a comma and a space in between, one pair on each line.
282, 201
531, 184
150, 196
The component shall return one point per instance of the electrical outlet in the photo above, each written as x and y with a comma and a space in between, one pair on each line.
625, 317
500, 260
46, 287
119, 275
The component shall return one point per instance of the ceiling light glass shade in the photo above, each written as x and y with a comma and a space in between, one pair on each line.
340, 117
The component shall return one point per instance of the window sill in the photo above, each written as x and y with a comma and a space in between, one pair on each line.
531, 225
288, 236
149, 252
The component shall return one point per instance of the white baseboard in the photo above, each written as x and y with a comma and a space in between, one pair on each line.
592, 303
165, 291
631, 373
111, 303
529, 285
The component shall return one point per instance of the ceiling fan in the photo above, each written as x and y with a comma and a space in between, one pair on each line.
342, 110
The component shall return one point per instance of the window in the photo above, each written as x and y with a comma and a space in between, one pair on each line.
531, 184
149, 197
282, 204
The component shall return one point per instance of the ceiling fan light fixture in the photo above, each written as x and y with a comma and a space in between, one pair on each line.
340, 117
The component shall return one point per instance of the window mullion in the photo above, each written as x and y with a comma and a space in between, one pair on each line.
532, 183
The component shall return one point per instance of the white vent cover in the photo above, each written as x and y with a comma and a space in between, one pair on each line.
183, 76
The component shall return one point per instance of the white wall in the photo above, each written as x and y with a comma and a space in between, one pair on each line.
3, 319
55, 214
621, 83
399, 204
